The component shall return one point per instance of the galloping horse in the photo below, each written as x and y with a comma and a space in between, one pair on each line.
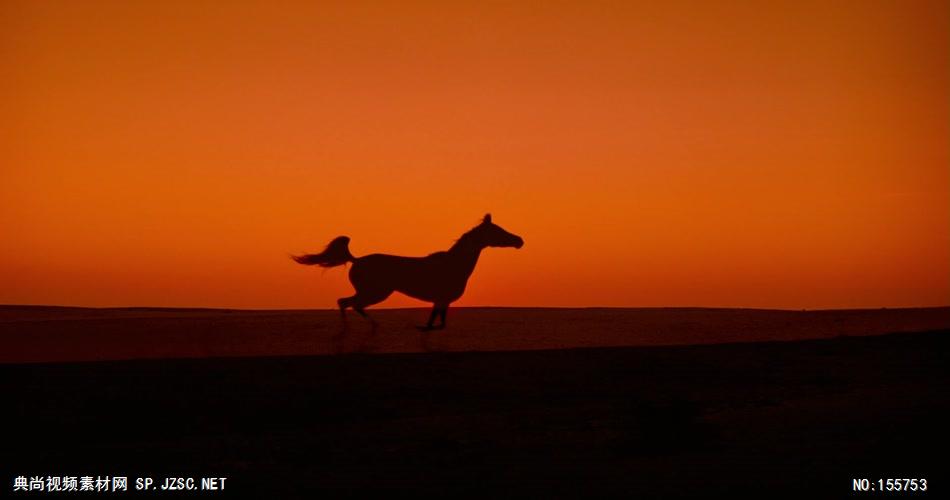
439, 278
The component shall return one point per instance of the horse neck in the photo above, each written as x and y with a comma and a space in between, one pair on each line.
466, 250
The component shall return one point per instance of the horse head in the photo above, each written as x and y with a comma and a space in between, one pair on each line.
490, 234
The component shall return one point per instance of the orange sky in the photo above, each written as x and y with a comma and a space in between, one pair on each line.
654, 154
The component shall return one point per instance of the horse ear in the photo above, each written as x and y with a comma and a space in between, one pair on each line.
487, 219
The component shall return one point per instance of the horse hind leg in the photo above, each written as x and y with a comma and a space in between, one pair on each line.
343, 303
364, 299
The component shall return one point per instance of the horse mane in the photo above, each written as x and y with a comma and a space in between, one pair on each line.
466, 236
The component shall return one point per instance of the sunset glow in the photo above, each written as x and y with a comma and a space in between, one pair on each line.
786, 155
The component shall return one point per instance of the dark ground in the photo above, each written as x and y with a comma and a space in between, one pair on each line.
33, 334
768, 419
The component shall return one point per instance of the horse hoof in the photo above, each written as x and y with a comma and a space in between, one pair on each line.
424, 328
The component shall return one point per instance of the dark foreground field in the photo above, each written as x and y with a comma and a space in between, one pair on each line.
771, 418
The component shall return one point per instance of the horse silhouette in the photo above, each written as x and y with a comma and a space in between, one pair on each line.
439, 278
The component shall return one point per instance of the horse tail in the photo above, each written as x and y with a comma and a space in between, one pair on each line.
336, 253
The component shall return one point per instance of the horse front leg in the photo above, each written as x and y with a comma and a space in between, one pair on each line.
442, 312
432, 315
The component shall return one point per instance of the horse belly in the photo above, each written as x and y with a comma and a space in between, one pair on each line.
420, 278
429, 282
435, 294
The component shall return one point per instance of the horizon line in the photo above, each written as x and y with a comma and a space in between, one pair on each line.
240, 309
